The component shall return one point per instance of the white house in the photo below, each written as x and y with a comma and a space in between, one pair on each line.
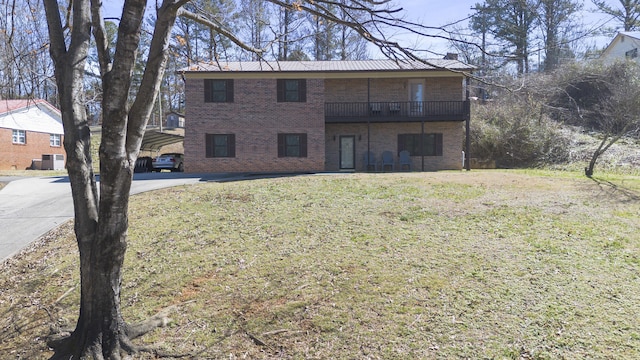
30, 130
623, 46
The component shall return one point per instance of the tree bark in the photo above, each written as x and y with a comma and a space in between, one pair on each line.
101, 222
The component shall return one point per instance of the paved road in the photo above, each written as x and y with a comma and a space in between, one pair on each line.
29, 207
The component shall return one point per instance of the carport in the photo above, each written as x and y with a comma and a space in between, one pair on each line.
153, 141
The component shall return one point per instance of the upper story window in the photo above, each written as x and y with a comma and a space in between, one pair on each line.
292, 145
292, 90
425, 145
19, 137
631, 54
218, 90
55, 140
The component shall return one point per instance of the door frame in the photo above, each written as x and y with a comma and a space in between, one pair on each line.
353, 155
416, 109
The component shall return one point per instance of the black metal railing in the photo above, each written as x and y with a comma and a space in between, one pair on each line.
396, 111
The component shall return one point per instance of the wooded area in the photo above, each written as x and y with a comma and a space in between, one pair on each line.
114, 72
500, 37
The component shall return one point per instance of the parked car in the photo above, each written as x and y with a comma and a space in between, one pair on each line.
143, 164
169, 161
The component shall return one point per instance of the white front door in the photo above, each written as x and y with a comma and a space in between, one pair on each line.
347, 152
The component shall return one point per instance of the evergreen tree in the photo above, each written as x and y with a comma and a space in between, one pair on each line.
628, 15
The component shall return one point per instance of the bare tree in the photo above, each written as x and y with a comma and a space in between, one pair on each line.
25, 67
605, 98
101, 221
290, 33
255, 16
101, 218
556, 21
351, 46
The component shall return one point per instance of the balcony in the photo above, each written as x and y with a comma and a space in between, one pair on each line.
409, 111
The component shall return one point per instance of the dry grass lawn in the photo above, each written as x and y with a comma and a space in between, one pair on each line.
449, 265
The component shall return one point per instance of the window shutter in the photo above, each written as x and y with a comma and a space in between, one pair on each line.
302, 90
208, 94
438, 141
209, 147
231, 145
281, 145
401, 143
281, 90
229, 88
303, 145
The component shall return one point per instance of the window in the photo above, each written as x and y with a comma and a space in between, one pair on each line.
292, 145
292, 90
19, 137
220, 145
54, 140
631, 54
431, 144
216, 90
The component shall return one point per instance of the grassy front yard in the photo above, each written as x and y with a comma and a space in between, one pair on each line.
486, 264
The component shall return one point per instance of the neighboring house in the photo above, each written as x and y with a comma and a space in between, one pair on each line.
175, 120
312, 116
30, 129
623, 46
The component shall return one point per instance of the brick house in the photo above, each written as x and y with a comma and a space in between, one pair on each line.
309, 116
30, 129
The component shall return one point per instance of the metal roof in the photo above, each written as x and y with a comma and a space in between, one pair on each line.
331, 66
30, 115
154, 140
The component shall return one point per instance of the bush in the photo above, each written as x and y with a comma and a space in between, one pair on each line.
514, 134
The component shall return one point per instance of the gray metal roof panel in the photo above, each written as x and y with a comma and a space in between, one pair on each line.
330, 66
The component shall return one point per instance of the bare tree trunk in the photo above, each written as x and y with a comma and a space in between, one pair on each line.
101, 222
605, 144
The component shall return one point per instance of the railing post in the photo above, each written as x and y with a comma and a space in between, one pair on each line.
467, 110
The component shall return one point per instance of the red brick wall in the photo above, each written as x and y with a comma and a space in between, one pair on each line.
355, 90
384, 137
256, 118
18, 156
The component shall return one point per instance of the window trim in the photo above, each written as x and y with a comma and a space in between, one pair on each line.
19, 137
301, 90
283, 147
210, 92
55, 140
412, 143
210, 146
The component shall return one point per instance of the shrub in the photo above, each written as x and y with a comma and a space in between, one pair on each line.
514, 134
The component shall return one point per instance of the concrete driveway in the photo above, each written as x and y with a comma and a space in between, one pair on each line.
29, 207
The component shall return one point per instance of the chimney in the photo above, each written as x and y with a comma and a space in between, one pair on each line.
451, 56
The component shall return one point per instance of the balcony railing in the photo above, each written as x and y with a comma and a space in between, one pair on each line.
396, 111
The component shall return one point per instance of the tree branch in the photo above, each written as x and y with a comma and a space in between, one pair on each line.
100, 36
219, 29
152, 76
